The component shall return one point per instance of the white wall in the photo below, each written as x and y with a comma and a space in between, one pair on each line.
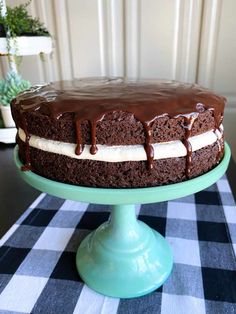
188, 40
217, 58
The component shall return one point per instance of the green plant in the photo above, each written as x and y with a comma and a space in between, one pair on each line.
11, 86
18, 22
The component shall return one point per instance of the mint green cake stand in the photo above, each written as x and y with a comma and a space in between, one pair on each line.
124, 257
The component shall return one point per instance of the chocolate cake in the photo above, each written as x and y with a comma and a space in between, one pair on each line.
118, 133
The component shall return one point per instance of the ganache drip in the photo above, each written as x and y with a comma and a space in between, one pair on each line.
93, 148
79, 146
188, 124
147, 145
217, 131
27, 166
90, 99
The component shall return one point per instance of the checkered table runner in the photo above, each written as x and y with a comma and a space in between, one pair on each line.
37, 257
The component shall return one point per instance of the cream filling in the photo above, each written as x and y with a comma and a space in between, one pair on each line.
123, 152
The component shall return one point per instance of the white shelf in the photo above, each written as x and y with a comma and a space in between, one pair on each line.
8, 135
26, 45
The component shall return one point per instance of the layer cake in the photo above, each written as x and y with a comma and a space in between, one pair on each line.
118, 133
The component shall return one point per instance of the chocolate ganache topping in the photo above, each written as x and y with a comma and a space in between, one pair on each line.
90, 99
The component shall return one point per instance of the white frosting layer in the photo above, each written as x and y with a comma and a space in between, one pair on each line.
125, 152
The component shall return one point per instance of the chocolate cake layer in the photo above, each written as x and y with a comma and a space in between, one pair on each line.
117, 128
119, 174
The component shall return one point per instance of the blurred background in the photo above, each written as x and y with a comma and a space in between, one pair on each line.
186, 40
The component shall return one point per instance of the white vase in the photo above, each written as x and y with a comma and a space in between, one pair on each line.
7, 117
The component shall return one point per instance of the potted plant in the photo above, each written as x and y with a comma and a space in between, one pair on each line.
12, 85
20, 34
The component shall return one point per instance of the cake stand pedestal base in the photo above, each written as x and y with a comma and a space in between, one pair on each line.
124, 257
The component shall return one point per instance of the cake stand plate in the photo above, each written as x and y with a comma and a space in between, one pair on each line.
124, 257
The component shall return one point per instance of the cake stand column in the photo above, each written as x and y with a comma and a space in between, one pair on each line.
122, 229
124, 257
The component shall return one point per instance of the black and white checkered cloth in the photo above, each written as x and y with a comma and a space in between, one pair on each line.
37, 257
